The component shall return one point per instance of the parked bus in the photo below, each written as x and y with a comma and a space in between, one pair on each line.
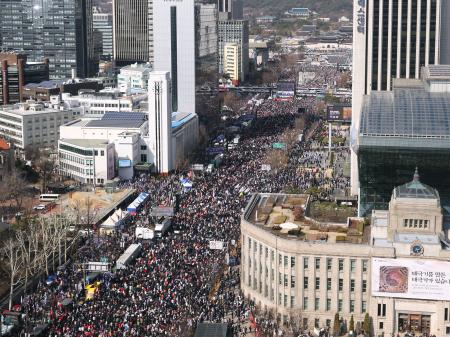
48, 197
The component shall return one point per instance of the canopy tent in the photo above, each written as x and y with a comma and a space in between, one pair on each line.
133, 207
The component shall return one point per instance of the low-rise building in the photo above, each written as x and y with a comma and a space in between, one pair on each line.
134, 76
300, 11
107, 100
34, 124
265, 19
396, 270
42, 91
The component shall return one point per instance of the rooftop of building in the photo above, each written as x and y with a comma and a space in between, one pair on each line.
29, 108
137, 67
409, 118
295, 217
415, 189
437, 72
181, 118
54, 84
86, 143
119, 120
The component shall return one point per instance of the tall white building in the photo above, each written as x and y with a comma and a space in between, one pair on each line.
160, 120
234, 31
174, 49
393, 39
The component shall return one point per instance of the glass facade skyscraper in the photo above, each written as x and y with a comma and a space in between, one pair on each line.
53, 29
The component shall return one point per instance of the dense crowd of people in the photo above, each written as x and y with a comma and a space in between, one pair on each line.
177, 281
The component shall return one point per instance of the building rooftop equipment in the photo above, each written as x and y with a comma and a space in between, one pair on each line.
87, 143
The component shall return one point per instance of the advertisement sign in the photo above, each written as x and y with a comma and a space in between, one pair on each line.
408, 278
162, 211
280, 146
219, 245
339, 113
125, 163
97, 266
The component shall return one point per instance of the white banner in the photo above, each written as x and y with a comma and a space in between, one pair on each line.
216, 245
97, 266
409, 278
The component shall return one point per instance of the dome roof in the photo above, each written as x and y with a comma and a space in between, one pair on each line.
415, 189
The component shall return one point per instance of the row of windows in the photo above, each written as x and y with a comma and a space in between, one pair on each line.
415, 223
284, 260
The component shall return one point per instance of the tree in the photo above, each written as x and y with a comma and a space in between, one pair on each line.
43, 161
13, 187
277, 159
351, 325
13, 265
336, 325
366, 325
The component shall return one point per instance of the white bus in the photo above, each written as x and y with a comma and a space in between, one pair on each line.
48, 197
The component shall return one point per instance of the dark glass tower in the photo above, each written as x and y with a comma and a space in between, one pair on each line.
53, 29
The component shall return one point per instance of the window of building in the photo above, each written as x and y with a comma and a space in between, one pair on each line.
328, 323
352, 265
305, 282
317, 283
363, 307
292, 261
279, 299
329, 263
446, 314
285, 280
381, 310
305, 303
286, 259
328, 304
316, 322
316, 303
341, 264
292, 281
143, 158
280, 259
267, 252
364, 286
272, 255
317, 262
329, 283
381, 325
305, 263
280, 279
341, 284
364, 265
292, 301
352, 305
352, 285
285, 300
339, 305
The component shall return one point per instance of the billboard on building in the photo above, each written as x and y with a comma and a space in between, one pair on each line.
339, 113
409, 278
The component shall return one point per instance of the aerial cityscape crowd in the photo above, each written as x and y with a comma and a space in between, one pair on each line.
172, 284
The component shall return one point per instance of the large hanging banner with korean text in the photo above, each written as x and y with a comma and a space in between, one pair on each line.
410, 278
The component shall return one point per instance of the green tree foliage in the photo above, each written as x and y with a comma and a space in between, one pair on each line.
366, 324
351, 325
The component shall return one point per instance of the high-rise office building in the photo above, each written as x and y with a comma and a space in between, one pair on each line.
103, 23
174, 49
234, 31
230, 9
160, 120
394, 39
132, 33
53, 29
231, 64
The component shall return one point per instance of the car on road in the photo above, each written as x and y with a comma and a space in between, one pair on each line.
39, 207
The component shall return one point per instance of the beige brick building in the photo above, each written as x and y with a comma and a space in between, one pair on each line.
305, 270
